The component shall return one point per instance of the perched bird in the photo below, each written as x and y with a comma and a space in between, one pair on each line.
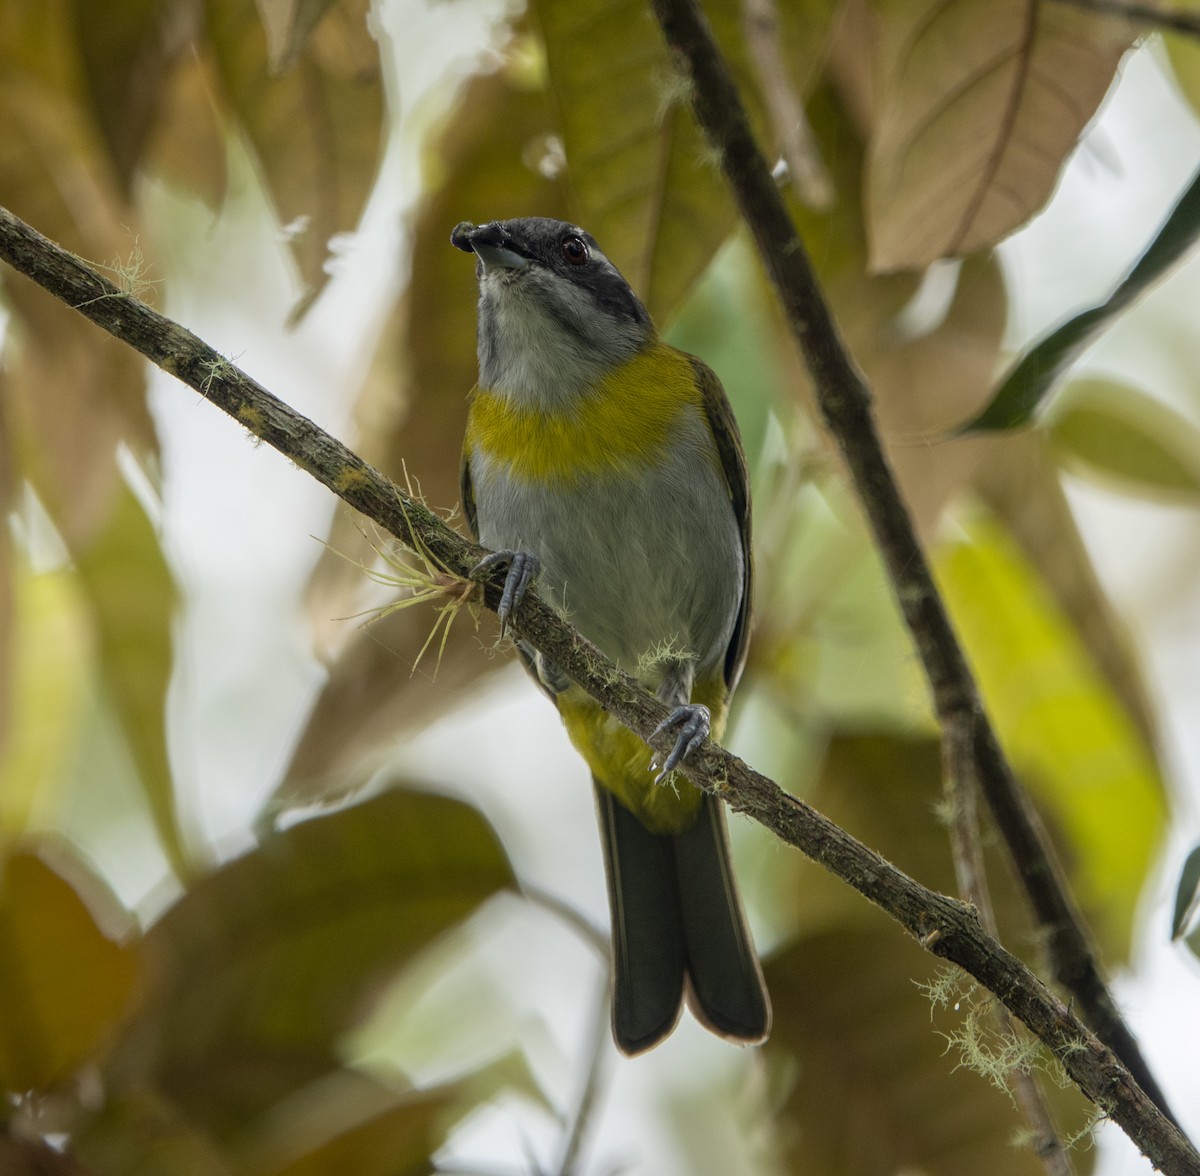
608, 465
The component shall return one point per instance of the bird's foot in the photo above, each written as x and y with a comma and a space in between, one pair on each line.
692, 723
523, 566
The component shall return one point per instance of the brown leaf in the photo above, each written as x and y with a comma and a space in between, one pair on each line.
76, 394
397, 1141
258, 969
31, 1157
316, 130
288, 24
64, 983
127, 51
980, 103
877, 1090
187, 145
74, 391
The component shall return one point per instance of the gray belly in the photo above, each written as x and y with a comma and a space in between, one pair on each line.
647, 568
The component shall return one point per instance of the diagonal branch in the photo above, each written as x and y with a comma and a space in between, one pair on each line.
1172, 19
948, 928
845, 402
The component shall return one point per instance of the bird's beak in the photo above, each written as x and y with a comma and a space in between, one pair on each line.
495, 249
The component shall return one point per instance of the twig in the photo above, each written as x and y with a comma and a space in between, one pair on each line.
1174, 20
966, 848
944, 926
845, 402
593, 1086
797, 144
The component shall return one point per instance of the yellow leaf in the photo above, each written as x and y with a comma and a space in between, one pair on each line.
1065, 731
48, 674
981, 101
63, 982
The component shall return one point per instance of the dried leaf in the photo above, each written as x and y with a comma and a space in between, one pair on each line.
187, 144
73, 392
127, 51
399, 1141
316, 130
288, 24
981, 101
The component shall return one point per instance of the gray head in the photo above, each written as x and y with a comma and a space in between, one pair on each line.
554, 313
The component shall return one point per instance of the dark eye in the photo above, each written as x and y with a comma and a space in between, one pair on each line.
575, 251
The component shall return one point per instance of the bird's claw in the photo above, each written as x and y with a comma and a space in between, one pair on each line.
693, 723
523, 566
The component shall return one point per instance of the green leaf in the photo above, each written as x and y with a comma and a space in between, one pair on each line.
260, 968
1188, 895
1065, 731
132, 597
1114, 431
1034, 375
648, 188
63, 982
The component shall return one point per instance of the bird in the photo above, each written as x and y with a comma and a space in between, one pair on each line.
607, 467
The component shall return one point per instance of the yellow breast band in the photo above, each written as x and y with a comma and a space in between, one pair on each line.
622, 424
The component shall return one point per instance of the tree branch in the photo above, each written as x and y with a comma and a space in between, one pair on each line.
1173, 20
845, 402
944, 926
959, 796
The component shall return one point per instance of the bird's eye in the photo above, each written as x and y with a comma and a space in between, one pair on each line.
575, 251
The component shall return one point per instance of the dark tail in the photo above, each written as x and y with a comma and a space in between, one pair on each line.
678, 924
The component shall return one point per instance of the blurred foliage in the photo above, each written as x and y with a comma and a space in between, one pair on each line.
212, 1033
1022, 391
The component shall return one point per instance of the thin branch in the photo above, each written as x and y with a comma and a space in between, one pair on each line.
1173, 20
593, 1086
944, 926
845, 402
797, 144
960, 789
